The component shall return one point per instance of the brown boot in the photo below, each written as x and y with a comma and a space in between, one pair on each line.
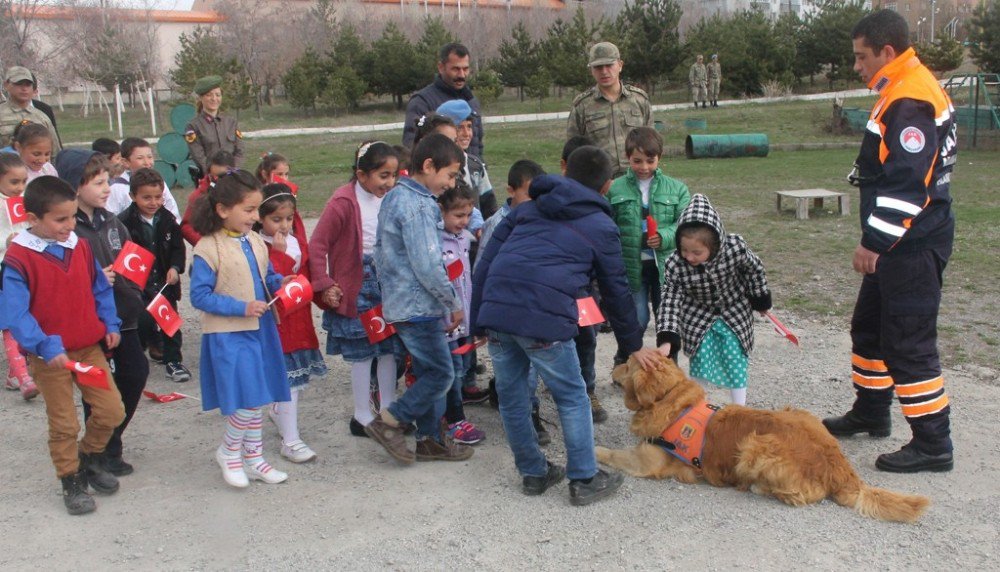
430, 450
391, 438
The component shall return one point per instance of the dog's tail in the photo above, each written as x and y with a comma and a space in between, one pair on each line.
882, 504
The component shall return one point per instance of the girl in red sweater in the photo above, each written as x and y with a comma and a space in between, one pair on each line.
289, 257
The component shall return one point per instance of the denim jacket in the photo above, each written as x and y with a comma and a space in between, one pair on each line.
408, 256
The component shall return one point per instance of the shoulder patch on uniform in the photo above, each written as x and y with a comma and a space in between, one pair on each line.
582, 96
239, 134
190, 136
912, 139
638, 90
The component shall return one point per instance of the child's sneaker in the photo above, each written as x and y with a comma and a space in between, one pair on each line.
474, 394
465, 433
28, 389
12, 384
263, 471
177, 372
297, 452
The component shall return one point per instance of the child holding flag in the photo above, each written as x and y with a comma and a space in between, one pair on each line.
13, 219
242, 368
88, 173
344, 276
645, 204
59, 307
290, 257
155, 228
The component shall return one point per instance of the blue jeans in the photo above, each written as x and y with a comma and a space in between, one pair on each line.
648, 293
424, 402
586, 352
454, 411
558, 365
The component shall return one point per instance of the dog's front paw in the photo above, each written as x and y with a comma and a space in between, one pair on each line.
603, 454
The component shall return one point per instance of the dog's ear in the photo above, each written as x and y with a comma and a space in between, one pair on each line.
648, 387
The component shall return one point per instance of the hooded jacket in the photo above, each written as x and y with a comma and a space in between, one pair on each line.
728, 286
540, 261
429, 98
106, 235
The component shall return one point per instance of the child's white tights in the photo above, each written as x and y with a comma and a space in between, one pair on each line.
738, 395
286, 416
385, 372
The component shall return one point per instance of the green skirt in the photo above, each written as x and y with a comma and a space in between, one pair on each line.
720, 358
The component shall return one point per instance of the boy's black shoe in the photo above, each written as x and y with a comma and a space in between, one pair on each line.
474, 395
851, 423
357, 429
543, 435
910, 459
602, 485
117, 466
156, 354
177, 372
96, 475
75, 495
534, 486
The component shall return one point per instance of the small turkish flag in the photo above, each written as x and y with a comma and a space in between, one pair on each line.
296, 294
164, 397
455, 269
650, 227
590, 314
15, 210
284, 181
376, 326
135, 263
464, 349
88, 375
166, 317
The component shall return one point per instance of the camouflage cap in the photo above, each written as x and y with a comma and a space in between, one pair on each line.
16, 74
604, 53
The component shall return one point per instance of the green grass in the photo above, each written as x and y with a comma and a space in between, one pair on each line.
808, 262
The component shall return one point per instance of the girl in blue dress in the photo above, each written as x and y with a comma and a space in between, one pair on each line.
242, 367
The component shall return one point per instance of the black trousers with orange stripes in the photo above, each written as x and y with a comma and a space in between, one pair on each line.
894, 339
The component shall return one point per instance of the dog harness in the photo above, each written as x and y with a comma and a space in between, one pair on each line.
685, 437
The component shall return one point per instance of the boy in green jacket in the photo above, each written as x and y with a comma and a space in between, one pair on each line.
646, 205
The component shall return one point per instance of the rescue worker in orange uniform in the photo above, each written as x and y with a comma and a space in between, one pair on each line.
903, 170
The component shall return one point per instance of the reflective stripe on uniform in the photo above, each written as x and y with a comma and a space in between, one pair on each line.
896, 204
921, 388
869, 364
871, 382
879, 224
926, 407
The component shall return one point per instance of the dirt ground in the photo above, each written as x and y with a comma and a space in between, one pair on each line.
356, 509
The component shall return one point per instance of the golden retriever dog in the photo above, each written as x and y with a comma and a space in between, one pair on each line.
786, 454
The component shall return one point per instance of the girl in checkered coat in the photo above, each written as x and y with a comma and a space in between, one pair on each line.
712, 283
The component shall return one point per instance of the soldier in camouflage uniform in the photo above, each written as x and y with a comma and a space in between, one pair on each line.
714, 80
20, 85
698, 78
609, 110
211, 131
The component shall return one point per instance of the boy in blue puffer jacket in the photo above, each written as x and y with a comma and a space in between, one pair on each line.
525, 289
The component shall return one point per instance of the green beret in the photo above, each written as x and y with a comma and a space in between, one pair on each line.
207, 84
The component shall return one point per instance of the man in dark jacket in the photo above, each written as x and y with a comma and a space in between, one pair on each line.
451, 82
525, 292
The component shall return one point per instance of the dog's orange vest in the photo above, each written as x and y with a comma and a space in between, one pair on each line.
685, 438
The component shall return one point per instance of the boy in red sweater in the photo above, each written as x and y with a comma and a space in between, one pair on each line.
60, 307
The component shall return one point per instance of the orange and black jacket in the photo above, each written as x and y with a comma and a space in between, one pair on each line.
907, 156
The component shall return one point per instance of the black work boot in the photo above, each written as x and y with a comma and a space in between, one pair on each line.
851, 423
117, 466
543, 435
534, 486
75, 495
910, 459
601, 485
96, 474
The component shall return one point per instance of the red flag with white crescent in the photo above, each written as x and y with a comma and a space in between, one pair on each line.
651, 229
296, 294
135, 263
166, 317
88, 375
286, 182
375, 325
590, 314
164, 397
15, 210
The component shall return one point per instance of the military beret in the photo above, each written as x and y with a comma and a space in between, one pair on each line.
458, 110
207, 84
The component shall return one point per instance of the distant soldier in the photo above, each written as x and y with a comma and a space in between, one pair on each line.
714, 80
609, 110
698, 78
20, 85
210, 131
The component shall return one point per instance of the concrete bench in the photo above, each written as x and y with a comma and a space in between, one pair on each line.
803, 196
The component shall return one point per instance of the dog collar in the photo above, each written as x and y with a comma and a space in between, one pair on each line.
685, 437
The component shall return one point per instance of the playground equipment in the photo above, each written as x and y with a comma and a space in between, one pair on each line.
975, 97
726, 146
